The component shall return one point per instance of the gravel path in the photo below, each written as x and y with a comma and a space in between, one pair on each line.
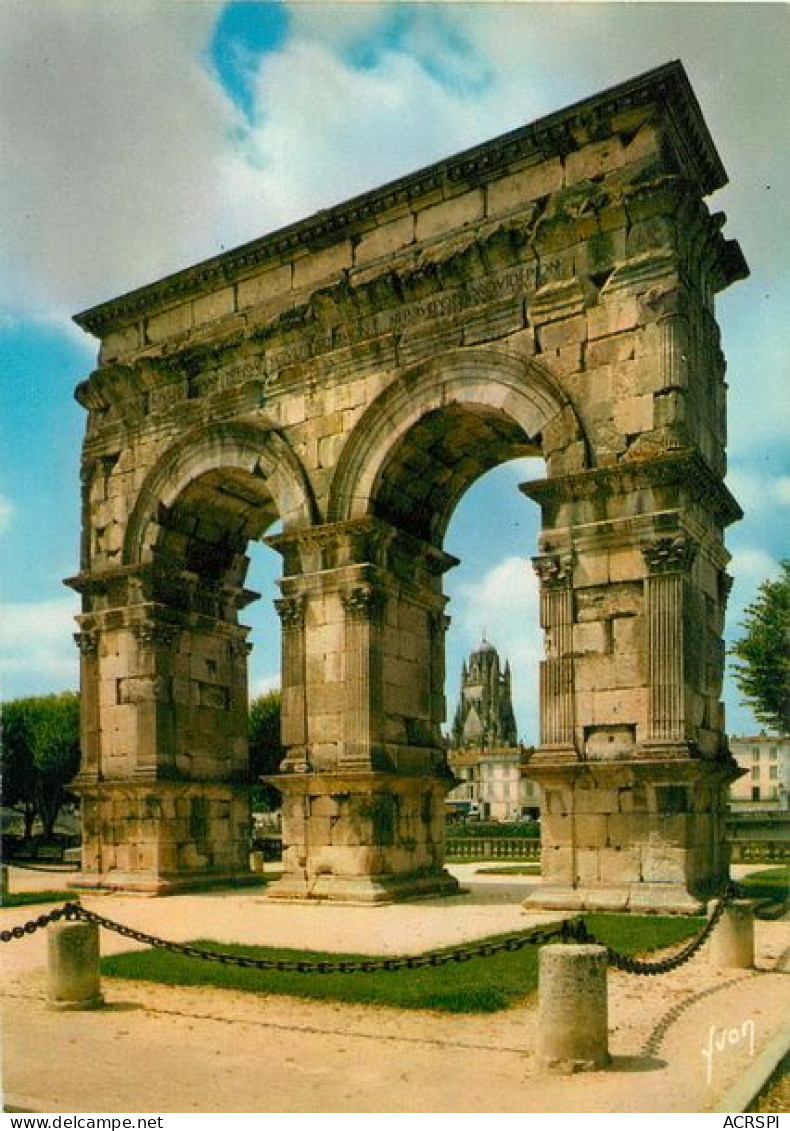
171, 1049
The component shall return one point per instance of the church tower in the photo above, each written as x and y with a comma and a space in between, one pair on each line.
484, 718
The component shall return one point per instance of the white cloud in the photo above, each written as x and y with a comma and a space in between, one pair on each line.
112, 133
37, 652
367, 126
781, 490
759, 492
264, 684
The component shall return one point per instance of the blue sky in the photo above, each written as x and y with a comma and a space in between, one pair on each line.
140, 138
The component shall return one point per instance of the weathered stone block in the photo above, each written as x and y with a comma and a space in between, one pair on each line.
625, 565
385, 240
596, 800
322, 265
271, 283
442, 218
612, 316
619, 866
611, 350
570, 331
634, 414
169, 323
590, 829
214, 305
592, 637
531, 183
663, 862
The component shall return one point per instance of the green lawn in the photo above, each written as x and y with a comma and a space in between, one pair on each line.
24, 898
772, 883
509, 870
481, 985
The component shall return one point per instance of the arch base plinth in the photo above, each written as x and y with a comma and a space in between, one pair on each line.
365, 837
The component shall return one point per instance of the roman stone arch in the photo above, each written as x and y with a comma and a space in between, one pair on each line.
519, 409
549, 292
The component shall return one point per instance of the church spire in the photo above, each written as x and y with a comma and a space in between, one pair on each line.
485, 711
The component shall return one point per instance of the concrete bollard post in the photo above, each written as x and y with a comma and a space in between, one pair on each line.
732, 940
3, 880
572, 1008
73, 969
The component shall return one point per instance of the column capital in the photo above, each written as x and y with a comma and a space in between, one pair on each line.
669, 555
554, 570
87, 641
239, 647
362, 600
291, 611
155, 634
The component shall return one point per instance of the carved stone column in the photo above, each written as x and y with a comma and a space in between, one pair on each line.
149, 693
292, 612
673, 350
362, 605
438, 625
668, 561
556, 671
87, 640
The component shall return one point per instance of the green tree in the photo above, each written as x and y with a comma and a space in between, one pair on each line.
763, 674
266, 748
40, 755
16, 761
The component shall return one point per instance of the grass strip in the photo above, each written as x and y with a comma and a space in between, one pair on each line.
480, 985
25, 898
773, 884
509, 870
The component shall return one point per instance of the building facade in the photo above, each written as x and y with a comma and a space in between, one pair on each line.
765, 784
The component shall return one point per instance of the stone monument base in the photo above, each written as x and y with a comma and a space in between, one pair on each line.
641, 899
364, 889
646, 834
362, 836
160, 838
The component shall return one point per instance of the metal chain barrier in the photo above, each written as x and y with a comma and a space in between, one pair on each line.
570, 930
573, 930
34, 925
631, 965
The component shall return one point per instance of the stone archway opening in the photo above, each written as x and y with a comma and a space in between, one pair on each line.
493, 592
439, 459
364, 626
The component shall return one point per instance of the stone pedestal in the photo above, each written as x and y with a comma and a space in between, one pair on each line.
73, 980
362, 838
637, 835
164, 837
572, 1008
